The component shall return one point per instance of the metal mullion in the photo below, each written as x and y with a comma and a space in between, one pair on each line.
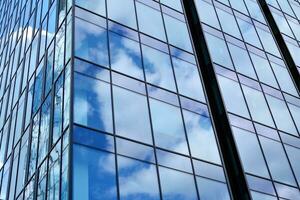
232, 163
112, 103
148, 105
179, 101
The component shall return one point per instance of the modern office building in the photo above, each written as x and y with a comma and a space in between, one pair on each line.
148, 100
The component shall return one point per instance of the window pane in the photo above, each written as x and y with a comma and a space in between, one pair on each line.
137, 180
158, 68
150, 21
241, 61
168, 127
250, 152
91, 42
125, 55
212, 190
122, 12
94, 175
96, 6
284, 79
92, 103
131, 115
249, 33
188, 80
263, 69
260, 196
177, 185
258, 106
294, 156
178, 34
201, 137
233, 96
207, 13
295, 111
218, 50
281, 115
228, 23
277, 161
176, 4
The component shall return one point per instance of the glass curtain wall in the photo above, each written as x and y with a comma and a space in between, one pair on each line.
259, 94
142, 127
34, 98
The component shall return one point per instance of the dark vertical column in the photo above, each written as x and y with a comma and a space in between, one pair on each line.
233, 166
280, 41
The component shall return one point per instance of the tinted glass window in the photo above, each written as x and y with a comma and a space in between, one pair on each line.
125, 55
122, 12
150, 21
92, 103
168, 126
131, 115
158, 68
95, 170
91, 42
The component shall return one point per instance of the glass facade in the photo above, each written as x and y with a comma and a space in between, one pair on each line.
105, 99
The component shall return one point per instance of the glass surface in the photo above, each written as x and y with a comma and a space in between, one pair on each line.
284, 79
263, 69
150, 21
281, 115
241, 61
168, 127
258, 106
96, 6
233, 96
91, 42
94, 174
177, 33
295, 111
188, 79
175, 4
201, 137
218, 50
249, 33
250, 152
228, 23
277, 161
177, 185
122, 12
125, 55
92, 103
131, 115
207, 13
212, 190
137, 180
158, 68
260, 196
294, 157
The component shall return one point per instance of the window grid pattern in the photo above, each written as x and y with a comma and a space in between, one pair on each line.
35, 98
142, 120
287, 17
253, 90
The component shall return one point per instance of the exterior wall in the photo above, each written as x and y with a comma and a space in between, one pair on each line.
105, 99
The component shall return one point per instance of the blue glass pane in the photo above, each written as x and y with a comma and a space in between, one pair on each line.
94, 175
150, 21
177, 185
137, 180
212, 190
201, 137
131, 115
158, 68
91, 42
122, 12
168, 127
92, 103
96, 6
125, 55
